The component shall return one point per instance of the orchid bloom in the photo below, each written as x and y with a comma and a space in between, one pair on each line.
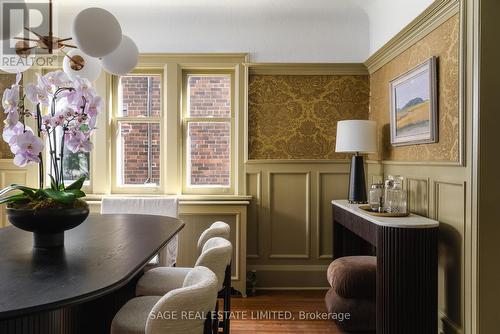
78, 107
27, 147
12, 119
92, 122
94, 106
9, 134
84, 88
57, 120
37, 94
68, 112
57, 78
78, 141
46, 122
10, 99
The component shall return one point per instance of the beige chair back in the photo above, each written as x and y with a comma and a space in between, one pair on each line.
217, 229
216, 256
183, 310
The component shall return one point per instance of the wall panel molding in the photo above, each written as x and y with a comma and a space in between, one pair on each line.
326, 182
254, 218
9, 174
437, 188
450, 210
272, 191
324, 222
418, 195
307, 68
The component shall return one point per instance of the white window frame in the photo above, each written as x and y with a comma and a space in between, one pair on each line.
115, 135
186, 119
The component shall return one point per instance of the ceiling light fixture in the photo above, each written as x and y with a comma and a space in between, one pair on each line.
99, 43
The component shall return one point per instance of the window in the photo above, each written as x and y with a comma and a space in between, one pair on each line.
137, 122
208, 131
75, 165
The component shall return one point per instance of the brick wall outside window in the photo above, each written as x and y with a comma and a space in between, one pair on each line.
134, 95
209, 96
135, 101
209, 142
135, 153
209, 153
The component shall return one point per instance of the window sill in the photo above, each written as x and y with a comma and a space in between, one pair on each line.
185, 199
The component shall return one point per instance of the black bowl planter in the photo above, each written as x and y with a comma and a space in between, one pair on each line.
47, 225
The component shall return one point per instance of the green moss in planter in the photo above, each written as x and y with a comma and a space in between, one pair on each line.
48, 203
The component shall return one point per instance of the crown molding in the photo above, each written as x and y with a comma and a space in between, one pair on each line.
307, 68
434, 16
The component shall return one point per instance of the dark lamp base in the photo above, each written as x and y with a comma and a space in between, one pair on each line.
357, 184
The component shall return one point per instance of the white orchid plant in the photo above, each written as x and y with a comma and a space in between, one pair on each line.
72, 110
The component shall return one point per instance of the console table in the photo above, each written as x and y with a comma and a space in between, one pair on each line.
406, 250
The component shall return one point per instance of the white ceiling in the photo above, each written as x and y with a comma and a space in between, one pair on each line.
270, 30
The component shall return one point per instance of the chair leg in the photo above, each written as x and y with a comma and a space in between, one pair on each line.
215, 319
227, 300
208, 326
227, 309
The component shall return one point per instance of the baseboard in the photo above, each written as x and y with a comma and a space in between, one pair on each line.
448, 326
295, 288
283, 277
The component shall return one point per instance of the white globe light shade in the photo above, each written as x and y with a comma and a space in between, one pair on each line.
76, 63
16, 18
124, 59
96, 32
13, 63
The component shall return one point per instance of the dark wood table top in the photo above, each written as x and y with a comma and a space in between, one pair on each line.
99, 256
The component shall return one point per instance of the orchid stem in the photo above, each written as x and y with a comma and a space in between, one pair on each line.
40, 156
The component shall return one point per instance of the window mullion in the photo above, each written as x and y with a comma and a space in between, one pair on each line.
138, 119
206, 120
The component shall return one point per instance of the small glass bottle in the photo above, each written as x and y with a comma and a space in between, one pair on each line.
376, 197
395, 200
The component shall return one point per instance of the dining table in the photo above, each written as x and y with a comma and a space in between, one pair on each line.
77, 288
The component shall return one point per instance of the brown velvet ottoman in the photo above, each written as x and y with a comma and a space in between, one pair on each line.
352, 296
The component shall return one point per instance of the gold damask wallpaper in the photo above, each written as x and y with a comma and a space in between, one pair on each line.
443, 42
295, 116
6, 80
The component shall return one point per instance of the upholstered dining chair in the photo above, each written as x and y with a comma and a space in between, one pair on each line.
222, 230
217, 229
167, 314
216, 255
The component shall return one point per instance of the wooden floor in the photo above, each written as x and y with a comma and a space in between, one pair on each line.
285, 304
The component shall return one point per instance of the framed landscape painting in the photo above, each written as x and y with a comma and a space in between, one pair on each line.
414, 107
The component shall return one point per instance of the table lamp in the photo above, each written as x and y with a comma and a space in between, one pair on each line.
356, 136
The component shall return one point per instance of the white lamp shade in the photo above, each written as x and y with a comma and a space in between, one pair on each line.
76, 63
124, 59
96, 32
356, 136
16, 18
